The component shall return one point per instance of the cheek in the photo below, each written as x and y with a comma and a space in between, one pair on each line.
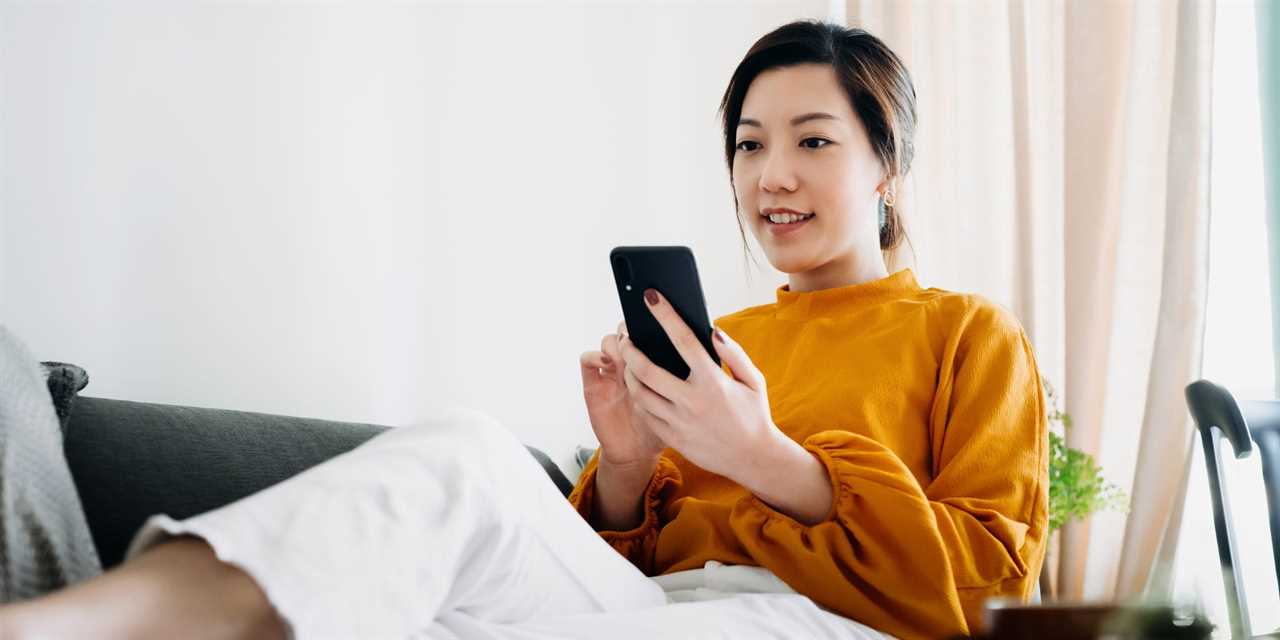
839, 186
825, 195
744, 191
741, 181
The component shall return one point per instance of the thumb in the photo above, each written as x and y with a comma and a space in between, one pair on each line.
740, 366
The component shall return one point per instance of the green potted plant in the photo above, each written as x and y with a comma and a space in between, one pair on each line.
1077, 487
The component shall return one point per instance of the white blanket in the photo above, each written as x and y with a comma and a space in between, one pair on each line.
716, 601
403, 537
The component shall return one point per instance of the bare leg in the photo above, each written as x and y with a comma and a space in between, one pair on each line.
177, 589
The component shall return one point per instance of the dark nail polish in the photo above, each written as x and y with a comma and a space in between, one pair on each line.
651, 297
719, 335
606, 359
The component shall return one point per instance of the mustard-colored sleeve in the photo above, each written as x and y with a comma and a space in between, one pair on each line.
918, 561
636, 545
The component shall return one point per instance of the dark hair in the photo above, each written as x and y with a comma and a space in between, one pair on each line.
875, 79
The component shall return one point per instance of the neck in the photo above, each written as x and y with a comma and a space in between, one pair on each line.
841, 272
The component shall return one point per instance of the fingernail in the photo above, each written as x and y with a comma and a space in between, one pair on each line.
719, 335
651, 297
606, 359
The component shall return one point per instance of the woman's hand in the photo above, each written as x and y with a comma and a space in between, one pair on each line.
719, 423
625, 439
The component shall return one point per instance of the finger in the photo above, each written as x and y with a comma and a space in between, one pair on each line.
634, 385
609, 345
660, 428
735, 357
596, 360
653, 376
593, 366
622, 334
644, 397
682, 337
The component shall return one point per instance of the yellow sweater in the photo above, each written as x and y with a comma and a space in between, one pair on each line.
926, 408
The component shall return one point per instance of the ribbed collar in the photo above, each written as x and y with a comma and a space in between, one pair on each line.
841, 300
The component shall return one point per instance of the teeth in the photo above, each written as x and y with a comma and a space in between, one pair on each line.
787, 218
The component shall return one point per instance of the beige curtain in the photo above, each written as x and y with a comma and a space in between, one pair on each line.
1062, 170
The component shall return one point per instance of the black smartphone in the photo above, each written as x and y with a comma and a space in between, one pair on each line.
672, 271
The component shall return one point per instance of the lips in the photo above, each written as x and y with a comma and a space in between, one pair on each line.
767, 211
784, 211
785, 229
791, 218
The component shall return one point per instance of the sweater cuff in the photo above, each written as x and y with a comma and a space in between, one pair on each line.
583, 497
817, 446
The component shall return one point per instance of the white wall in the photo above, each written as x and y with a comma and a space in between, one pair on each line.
359, 213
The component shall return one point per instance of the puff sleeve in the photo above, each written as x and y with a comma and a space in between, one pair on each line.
917, 559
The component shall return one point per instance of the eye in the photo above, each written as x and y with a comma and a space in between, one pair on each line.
746, 142
805, 142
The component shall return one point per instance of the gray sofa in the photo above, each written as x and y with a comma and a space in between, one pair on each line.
133, 459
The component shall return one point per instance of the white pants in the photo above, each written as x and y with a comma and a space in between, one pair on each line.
450, 529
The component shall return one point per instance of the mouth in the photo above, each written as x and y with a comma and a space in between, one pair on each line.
782, 217
785, 222
774, 220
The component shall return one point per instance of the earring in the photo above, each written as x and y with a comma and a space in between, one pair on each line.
887, 200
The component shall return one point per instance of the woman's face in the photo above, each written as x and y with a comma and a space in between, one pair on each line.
801, 147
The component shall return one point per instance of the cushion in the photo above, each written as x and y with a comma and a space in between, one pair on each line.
45, 542
64, 382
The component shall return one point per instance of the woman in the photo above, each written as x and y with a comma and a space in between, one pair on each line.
871, 447
894, 467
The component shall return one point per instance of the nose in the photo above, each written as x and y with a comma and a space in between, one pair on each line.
777, 174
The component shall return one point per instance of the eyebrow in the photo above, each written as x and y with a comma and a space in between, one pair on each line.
796, 121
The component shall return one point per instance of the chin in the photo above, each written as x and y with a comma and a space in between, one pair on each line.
788, 263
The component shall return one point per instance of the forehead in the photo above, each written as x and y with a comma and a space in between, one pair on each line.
778, 94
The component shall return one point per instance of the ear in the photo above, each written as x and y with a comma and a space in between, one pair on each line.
887, 182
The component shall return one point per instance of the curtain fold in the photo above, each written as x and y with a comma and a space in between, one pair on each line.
1062, 170
1166, 426
1268, 26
